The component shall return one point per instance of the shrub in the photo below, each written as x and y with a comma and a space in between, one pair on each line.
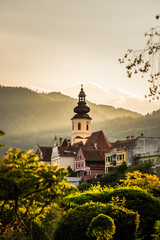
136, 200
74, 224
143, 180
84, 186
102, 227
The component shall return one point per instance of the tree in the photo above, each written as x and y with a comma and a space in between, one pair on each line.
145, 181
136, 199
116, 174
28, 189
113, 176
146, 62
74, 224
102, 227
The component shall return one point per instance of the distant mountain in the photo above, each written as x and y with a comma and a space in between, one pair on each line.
29, 118
25, 111
115, 97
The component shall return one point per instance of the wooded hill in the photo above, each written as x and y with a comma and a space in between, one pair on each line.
29, 118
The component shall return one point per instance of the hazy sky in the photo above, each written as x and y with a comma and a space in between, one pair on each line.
54, 44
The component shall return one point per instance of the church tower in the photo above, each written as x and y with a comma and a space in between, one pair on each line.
81, 122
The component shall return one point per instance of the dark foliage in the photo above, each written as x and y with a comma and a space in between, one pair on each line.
74, 224
136, 199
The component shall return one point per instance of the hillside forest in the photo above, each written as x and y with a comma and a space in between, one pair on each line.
29, 118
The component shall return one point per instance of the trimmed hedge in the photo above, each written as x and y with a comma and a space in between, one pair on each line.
102, 227
136, 199
74, 225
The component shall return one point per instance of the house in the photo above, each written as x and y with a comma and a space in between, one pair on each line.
142, 149
117, 154
90, 162
133, 151
62, 154
90, 159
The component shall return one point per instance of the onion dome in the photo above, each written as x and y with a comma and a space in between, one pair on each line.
81, 109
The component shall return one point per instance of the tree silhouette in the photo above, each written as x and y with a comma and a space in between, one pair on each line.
146, 62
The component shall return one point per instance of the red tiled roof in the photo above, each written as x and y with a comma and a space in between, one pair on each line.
67, 151
46, 153
63, 151
93, 154
120, 145
99, 139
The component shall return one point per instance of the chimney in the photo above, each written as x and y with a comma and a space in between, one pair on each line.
141, 134
61, 141
95, 145
68, 143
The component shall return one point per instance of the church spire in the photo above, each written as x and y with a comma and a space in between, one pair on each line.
82, 109
81, 122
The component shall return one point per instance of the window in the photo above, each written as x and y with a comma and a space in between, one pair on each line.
81, 99
87, 173
79, 157
108, 159
79, 126
87, 125
79, 165
118, 157
122, 157
73, 126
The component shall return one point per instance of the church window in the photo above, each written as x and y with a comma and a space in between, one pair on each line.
81, 99
87, 125
79, 126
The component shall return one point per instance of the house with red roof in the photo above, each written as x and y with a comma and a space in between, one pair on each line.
89, 159
91, 162
60, 153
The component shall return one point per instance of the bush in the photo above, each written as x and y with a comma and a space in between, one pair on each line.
84, 186
102, 227
136, 199
74, 224
117, 173
144, 167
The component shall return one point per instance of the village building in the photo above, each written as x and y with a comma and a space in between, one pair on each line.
90, 162
90, 158
117, 154
85, 152
91, 154
61, 153
133, 151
